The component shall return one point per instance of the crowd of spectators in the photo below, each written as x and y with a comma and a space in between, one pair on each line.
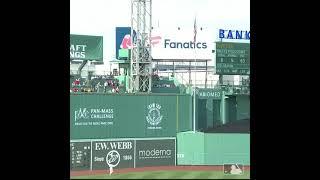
95, 84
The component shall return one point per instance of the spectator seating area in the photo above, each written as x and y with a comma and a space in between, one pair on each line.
100, 84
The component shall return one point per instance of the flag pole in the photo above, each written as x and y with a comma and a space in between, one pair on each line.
194, 94
194, 83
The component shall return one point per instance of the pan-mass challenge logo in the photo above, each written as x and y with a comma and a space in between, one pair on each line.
154, 116
100, 113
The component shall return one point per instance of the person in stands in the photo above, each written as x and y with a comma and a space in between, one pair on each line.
75, 89
105, 86
77, 82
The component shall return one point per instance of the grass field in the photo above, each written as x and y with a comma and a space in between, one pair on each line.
168, 175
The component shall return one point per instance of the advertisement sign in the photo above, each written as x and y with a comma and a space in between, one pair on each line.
115, 154
101, 116
169, 43
123, 42
206, 93
234, 34
83, 47
93, 116
112, 154
178, 44
155, 152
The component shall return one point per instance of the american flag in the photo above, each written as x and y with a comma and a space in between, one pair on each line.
195, 30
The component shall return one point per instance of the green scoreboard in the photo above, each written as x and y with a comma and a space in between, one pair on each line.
232, 58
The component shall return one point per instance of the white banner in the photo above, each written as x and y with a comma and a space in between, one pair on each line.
178, 44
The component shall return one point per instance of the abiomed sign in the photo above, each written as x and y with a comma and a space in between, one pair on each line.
83, 47
209, 93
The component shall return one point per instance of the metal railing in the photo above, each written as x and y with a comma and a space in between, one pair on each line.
230, 87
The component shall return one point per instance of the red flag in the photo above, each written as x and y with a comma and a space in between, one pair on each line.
155, 40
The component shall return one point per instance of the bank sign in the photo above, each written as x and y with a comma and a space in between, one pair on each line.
234, 34
83, 47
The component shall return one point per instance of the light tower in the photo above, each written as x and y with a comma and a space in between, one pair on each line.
141, 60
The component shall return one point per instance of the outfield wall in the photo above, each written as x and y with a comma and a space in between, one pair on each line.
100, 116
212, 148
209, 109
99, 154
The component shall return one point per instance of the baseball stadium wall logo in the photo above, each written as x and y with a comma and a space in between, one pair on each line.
95, 114
155, 154
155, 40
154, 116
112, 154
113, 158
81, 114
126, 42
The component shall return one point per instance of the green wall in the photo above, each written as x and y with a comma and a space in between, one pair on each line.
175, 90
212, 149
208, 110
184, 113
191, 146
231, 108
243, 107
208, 113
98, 116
